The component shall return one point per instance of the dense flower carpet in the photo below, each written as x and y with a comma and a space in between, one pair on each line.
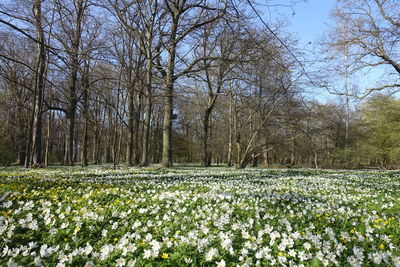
198, 217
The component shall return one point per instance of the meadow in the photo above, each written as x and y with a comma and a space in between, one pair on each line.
198, 217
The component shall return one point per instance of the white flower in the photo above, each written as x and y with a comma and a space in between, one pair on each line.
62, 257
396, 261
37, 261
147, 254
155, 245
302, 256
188, 260
307, 246
104, 233
7, 204
226, 243
358, 253
120, 262
105, 251
275, 235
44, 251
221, 263
88, 249
211, 254
89, 264
353, 261
11, 263
148, 237
132, 263
377, 258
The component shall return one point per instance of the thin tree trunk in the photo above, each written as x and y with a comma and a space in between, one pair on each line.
148, 112
136, 147
85, 139
206, 122
169, 104
266, 159
316, 160
47, 147
37, 159
72, 97
131, 129
167, 128
230, 141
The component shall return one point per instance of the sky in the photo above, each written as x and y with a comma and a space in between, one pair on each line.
308, 20
311, 19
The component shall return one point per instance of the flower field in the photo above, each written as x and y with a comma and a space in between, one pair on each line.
198, 217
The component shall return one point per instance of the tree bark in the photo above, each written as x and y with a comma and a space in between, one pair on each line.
72, 97
37, 159
47, 147
148, 112
230, 130
85, 113
206, 125
131, 129
169, 100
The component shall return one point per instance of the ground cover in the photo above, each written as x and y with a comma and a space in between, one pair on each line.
197, 217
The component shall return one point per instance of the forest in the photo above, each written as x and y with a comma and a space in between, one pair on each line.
209, 82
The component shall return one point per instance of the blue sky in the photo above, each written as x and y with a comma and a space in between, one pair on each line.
310, 19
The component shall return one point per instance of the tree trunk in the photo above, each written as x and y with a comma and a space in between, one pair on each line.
85, 111
69, 141
230, 130
146, 132
255, 161
148, 112
316, 160
206, 124
266, 159
136, 147
169, 102
37, 159
72, 97
47, 147
167, 128
131, 129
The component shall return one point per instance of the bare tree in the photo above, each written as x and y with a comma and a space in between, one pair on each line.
184, 18
218, 46
368, 30
71, 17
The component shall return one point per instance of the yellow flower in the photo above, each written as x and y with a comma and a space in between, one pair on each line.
164, 256
381, 246
280, 253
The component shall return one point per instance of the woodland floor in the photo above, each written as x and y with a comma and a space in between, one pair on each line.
198, 217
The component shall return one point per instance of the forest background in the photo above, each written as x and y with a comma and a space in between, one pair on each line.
197, 81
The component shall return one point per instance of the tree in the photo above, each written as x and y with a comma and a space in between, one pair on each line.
22, 14
37, 159
218, 45
71, 18
184, 18
368, 31
380, 125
